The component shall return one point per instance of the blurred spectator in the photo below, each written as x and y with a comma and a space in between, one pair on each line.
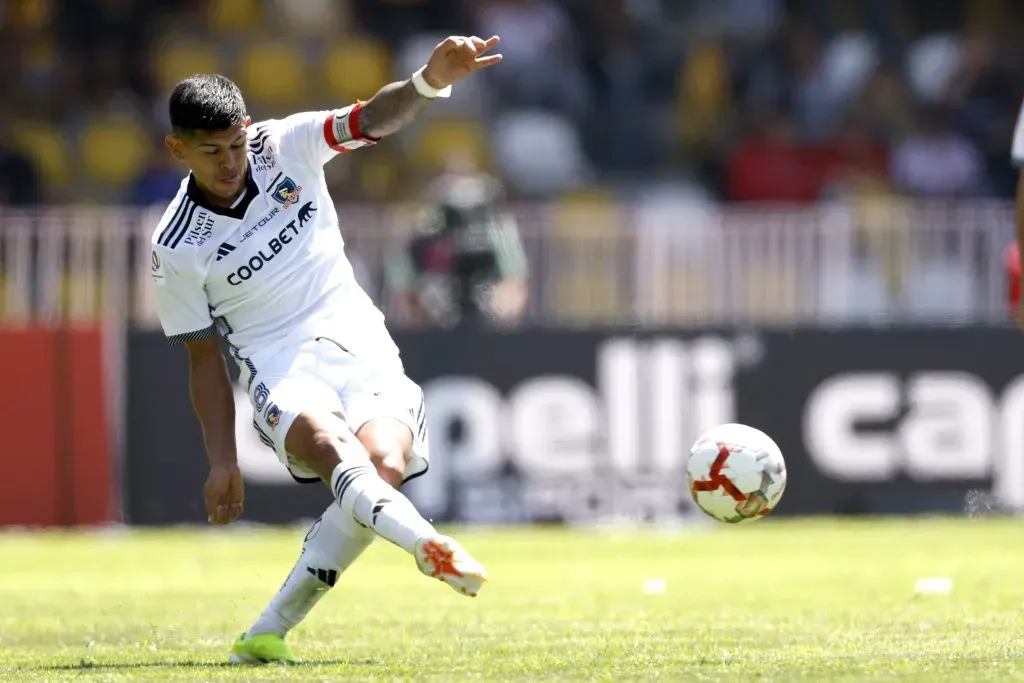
623, 83
809, 89
985, 92
772, 166
855, 158
611, 92
936, 160
398, 20
1011, 263
540, 153
106, 41
886, 102
465, 264
881, 17
932, 63
20, 183
541, 67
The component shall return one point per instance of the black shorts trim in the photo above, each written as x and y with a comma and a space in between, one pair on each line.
304, 480
417, 475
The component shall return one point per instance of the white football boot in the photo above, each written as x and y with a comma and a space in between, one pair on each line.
444, 559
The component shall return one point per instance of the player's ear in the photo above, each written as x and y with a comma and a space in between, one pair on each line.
174, 145
248, 121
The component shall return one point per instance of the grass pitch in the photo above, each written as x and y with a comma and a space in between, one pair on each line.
774, 601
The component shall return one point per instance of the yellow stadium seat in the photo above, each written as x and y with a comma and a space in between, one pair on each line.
177, 60
882, 225
114, 150
588, 273
47, 147
586, 297
378, 176
31, 13
234, 16
442, 139
40, 56
356, 69
272, 74
703, 93
588, 212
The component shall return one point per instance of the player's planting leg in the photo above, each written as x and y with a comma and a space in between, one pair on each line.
331, 546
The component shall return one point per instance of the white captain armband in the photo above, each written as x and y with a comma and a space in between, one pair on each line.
341, 130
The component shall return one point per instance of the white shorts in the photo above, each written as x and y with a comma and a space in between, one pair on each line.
321, 376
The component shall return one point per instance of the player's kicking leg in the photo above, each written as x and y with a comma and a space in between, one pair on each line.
365, 480
389, 444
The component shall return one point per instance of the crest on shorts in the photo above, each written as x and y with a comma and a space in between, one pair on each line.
287, 192
260, 395
156, 266
273, 416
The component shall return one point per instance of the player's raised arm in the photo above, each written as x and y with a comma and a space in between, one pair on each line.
397, 104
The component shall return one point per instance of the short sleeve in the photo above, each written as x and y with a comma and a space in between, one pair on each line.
1017, 151
319, 135
181, 301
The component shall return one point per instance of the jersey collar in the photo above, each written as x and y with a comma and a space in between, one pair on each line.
238, 210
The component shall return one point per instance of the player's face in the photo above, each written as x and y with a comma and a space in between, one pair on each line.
217, 159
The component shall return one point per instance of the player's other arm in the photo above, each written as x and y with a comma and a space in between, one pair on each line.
184, 312
398, 104
213, 401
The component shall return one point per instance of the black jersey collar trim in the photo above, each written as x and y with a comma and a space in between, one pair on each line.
238, 211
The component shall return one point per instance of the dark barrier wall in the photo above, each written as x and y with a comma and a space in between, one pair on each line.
56, 448
583, 425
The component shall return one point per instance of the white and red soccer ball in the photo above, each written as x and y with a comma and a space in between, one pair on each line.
736, 473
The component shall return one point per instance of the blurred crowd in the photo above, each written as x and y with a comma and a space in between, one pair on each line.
731, 100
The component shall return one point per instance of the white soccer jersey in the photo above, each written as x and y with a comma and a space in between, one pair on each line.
270, 271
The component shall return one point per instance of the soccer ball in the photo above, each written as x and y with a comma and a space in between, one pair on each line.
736, 473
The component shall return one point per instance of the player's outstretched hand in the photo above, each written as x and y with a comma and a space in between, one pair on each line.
223, 494
457, 57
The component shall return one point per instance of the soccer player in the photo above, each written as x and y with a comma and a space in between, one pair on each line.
250, 250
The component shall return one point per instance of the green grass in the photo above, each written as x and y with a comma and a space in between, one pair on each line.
774, 601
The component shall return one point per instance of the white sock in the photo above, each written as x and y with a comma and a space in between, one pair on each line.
369, 499
332, 544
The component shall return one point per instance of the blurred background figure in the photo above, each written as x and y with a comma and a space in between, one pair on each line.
465, 262
20, 184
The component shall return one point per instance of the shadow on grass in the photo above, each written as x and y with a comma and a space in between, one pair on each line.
86, 665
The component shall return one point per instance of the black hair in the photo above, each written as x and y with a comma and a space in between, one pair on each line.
208, 102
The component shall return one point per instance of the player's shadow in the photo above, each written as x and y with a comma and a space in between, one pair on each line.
192, 664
